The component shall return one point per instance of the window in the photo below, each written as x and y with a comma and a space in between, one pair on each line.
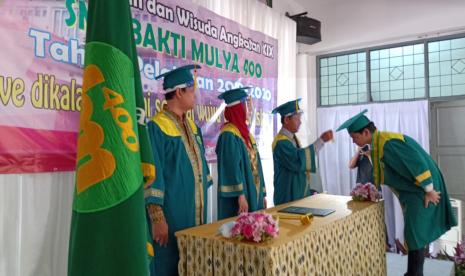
397, 73
446, 67
343, 79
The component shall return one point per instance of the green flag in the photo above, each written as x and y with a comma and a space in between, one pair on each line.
108, 228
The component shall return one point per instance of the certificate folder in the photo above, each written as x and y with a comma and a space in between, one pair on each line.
305, 211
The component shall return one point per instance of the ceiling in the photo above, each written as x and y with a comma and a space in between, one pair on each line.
351, 24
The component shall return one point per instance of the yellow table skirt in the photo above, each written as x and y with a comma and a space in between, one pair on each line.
350, 241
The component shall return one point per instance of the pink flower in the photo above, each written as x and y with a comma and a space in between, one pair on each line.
255, 227
270, 230
363, 192
258, 217
248, 231
257, 235
459, 256
236, 230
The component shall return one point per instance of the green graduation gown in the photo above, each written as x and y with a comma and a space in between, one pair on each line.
239, 172
402, 164
181, 183
292, 168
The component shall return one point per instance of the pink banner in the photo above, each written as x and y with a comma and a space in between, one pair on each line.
41, 73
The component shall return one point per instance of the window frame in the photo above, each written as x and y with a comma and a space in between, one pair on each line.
367, 51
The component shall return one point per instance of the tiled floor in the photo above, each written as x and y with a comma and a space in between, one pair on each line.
397, 266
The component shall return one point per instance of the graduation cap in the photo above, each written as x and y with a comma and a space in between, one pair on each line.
180, 77
234, 96
355, 123
288, 109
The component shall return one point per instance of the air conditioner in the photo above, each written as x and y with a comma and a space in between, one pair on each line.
447, 242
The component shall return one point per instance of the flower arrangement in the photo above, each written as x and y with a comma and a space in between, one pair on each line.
256, 227
365, 192
458, 258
